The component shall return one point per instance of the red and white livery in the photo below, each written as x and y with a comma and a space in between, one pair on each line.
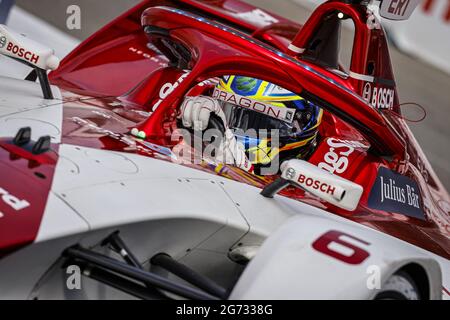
365, 217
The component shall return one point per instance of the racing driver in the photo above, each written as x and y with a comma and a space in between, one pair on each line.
254, 113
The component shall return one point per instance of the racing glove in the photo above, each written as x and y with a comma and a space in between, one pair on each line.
195, 114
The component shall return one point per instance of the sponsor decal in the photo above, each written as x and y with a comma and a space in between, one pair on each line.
22, 52
336, 159
159, 60
379, 97
12, 201
342, 246
168, 88
2, 42
398, 9
367, 92
280, 113
316, 184
393, 192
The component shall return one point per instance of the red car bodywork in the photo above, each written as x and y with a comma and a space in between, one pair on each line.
115, 70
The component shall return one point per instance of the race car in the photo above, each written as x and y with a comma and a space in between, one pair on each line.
109, 188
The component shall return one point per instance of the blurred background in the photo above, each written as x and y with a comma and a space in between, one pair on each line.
420, 52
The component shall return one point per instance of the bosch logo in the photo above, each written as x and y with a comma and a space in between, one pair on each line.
316, 184
367, 92
381, 98
290, 174
2, 42
22, 53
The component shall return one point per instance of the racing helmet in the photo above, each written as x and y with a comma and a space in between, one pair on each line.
251, 105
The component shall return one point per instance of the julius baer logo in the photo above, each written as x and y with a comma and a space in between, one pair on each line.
393, 192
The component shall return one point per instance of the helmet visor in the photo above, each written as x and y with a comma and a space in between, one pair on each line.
251, 122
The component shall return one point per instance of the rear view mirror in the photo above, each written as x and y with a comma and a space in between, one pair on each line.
397, 9
336, 190
32, 54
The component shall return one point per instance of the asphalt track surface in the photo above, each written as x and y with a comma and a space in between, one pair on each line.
416, 81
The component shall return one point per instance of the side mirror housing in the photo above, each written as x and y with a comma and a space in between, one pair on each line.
336, 190
31, 53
